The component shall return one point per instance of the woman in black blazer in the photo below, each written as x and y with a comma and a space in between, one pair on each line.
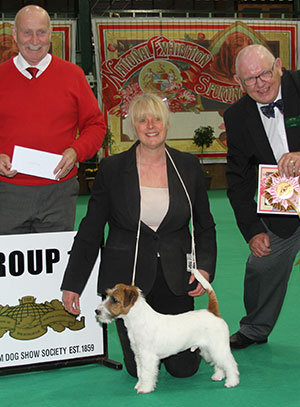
142, 184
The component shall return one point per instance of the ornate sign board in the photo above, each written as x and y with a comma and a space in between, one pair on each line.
190, 63
34, 327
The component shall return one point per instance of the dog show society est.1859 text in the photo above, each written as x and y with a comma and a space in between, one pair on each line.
47, 353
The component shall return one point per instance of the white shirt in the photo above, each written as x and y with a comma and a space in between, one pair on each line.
275, 130
21, 64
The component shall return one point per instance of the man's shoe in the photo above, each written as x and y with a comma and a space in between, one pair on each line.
240, 341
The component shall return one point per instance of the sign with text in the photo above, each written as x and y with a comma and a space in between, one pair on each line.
188, 62
34, 326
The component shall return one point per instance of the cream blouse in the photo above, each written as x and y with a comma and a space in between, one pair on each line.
154, 205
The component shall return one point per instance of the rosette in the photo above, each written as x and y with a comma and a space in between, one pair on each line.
283, 193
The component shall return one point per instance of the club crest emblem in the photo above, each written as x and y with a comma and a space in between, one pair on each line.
30, 320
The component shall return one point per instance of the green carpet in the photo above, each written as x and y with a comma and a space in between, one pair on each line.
269, 373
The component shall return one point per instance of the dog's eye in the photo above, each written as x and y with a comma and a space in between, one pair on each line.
114, 300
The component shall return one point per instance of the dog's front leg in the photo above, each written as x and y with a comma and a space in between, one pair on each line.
147, 369
138, 370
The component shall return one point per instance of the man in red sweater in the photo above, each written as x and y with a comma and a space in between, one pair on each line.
44, 112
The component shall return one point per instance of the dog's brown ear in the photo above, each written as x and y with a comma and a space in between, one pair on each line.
131, 295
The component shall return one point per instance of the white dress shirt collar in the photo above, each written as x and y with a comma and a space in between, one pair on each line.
21, 64
275, 130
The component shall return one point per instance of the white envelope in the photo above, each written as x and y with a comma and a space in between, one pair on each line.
34, 162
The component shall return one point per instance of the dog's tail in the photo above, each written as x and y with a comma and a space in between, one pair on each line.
213, 305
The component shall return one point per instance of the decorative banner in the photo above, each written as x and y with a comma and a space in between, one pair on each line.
63, 40
188, 62
63, 43
34, 327
8, 46
277, 194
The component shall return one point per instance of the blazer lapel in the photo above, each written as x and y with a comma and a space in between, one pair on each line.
258, 134
132, 188
290, 95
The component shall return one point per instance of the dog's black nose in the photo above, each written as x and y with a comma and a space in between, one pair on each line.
97, 312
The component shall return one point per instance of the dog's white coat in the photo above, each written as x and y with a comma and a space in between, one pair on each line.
154, 336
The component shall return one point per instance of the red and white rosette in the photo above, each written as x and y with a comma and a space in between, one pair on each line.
283, 193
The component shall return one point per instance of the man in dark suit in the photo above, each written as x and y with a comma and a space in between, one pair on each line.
254, 138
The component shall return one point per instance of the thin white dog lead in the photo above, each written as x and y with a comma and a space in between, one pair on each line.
193, 269
136, 252
191, 210
193, 254
139, 228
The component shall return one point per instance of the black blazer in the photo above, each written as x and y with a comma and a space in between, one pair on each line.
248, 146
115, 199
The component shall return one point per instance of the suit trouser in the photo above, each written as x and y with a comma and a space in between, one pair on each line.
38, 209
162, 300
265, 285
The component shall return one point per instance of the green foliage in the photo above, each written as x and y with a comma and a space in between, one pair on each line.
203, 137
108, 139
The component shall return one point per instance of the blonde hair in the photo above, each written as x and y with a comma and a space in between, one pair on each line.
148, 104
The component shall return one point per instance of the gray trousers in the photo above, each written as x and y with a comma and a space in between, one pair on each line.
38, 209
265, 285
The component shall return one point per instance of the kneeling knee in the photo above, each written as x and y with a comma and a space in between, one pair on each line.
184, 364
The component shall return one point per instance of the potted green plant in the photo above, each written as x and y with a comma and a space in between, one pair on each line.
204, 137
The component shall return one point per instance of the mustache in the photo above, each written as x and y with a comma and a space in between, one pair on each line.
34, 47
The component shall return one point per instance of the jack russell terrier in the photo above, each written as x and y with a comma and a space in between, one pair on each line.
159, 337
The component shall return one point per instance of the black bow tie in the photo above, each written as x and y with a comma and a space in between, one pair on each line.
268, 110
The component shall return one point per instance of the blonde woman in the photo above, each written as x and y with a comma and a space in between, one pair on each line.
140, 189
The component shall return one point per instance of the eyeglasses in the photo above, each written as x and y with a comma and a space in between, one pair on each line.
264, 76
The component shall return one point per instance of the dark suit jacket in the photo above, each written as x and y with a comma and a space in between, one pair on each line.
248, 146
116, 199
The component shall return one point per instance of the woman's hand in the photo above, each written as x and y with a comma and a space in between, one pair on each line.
71, 302
199, 290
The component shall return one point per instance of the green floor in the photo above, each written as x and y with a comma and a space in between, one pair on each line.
269, 373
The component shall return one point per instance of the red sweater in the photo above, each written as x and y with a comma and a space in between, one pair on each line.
46, 112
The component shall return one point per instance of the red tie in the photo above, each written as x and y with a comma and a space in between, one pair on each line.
32, 71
